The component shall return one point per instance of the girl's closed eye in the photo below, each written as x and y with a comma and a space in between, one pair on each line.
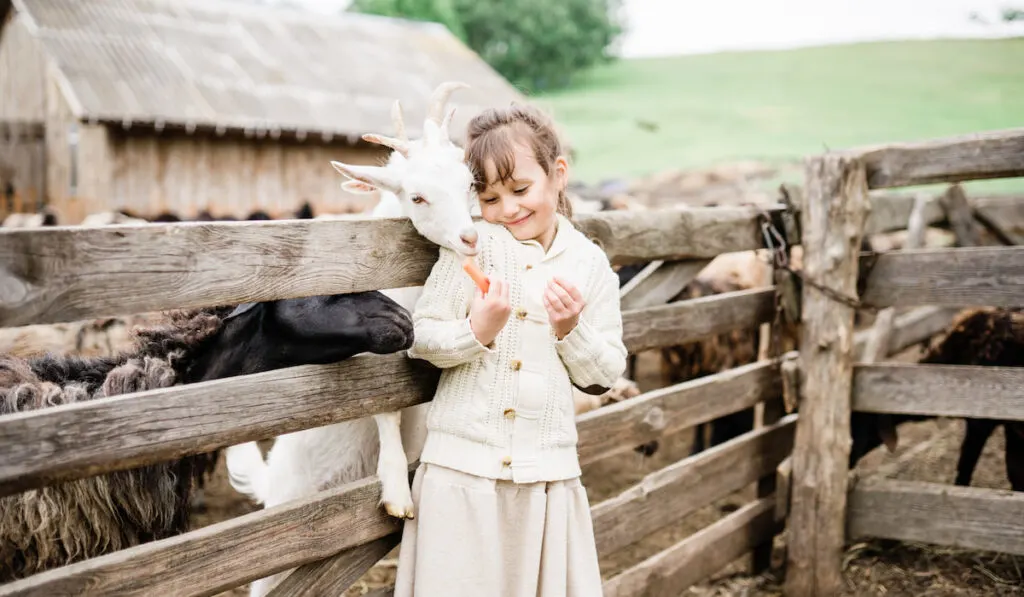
521, 190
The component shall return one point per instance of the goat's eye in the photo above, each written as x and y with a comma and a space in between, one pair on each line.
418, 199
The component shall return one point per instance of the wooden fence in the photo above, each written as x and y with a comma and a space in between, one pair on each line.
333, 537
833, 221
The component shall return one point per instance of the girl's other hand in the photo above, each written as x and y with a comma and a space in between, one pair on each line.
564, 304
489, 313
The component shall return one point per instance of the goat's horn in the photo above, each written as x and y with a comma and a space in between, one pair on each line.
398, 121
440, 97
397, 144
446, 122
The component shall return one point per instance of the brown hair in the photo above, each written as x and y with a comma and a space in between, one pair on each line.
492, 135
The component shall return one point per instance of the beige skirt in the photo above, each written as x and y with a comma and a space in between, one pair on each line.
478, 537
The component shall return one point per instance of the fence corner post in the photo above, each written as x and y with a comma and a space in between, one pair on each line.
834, 212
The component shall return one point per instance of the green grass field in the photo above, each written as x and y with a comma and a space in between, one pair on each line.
782, 105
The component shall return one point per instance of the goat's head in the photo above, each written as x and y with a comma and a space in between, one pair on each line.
428, 177
272, 335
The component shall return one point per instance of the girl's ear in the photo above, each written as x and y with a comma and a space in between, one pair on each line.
562, 171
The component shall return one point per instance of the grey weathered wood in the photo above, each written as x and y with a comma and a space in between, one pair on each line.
71, 273
685, 321
960, 216
943, 390
961, 277
994, 154
891, 212
88, 438
677, 490
964, 517
226, 554
912, 327
1005, 210
673, 234
774, 410
880, 334
73, 441
334, 575
670, 572
620, 427
783, 480
660, 285
833, 223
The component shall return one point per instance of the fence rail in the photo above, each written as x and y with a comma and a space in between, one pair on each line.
960, 277
966, 517
940, 390
995, 154
71, 273
87, 438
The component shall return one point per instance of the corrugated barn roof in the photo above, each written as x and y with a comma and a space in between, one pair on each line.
223, 65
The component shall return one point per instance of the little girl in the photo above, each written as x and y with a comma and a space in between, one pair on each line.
500, 510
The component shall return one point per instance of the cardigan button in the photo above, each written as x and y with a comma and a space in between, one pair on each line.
510, 413
520, 313
516, 365
506, 461
529, 266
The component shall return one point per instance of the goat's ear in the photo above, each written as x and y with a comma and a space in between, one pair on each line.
357, 186
375, 176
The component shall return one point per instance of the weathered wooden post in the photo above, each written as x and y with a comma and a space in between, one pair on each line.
832, 222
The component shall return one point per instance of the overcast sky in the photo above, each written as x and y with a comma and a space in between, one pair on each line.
663, 27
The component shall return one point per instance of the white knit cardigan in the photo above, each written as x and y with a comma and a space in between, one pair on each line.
505, 411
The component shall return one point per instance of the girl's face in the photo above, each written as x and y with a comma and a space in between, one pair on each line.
526, 203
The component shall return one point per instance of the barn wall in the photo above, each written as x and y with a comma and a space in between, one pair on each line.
22, 74
227, 176
22, 111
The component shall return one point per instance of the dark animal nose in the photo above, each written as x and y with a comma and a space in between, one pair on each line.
469, 237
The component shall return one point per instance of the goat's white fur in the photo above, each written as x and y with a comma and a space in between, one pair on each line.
304, 462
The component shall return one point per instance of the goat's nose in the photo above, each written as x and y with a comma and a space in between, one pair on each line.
469, 237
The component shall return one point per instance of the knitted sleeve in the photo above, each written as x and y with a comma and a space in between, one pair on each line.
593, 352
441, 332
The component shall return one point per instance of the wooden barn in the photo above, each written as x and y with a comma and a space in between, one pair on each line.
181, 106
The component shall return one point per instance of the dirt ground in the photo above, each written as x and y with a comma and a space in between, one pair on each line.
928, 451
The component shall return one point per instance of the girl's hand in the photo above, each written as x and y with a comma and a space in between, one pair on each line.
564, 304
489, 313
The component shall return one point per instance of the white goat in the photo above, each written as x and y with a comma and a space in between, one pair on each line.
427, 181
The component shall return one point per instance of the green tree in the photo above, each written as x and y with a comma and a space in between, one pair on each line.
437, 11
536, 44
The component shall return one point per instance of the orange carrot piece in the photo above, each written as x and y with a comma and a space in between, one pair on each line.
478, 276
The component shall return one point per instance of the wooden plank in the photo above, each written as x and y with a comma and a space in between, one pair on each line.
913, 327
661, 285
670, 572
1005, 210
673, 234
226, 554
964, 517
686, 321
960, 216
783, 480
899, 388
86, 438
832, 224
891, 212
69, 273
337, 573
960, 277
619, 427
991, 154
677, 490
